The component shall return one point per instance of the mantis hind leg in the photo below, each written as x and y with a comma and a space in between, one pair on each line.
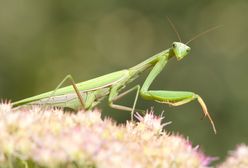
177, 98
74, 104
70, 78
114, 97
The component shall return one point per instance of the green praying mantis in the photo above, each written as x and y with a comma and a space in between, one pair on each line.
89, 93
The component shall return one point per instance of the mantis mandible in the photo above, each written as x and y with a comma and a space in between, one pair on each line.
89, 93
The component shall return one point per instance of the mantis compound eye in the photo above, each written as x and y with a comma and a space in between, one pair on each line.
188, 50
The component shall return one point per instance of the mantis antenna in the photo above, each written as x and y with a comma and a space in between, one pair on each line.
202, 33
174, 28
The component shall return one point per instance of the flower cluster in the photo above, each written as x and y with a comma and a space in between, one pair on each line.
237, 158
41, 137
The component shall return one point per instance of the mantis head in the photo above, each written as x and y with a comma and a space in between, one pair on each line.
180, 50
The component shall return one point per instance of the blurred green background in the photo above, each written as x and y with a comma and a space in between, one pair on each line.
43, 41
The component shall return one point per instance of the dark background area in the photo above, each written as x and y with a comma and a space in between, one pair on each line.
43, 41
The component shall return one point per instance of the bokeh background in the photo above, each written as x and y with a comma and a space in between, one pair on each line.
43, 41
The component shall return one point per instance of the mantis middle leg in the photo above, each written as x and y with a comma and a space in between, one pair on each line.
113, 96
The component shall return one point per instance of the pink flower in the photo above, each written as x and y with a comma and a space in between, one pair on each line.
51, 137
237, 158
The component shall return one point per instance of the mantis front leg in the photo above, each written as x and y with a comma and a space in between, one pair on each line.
175, 98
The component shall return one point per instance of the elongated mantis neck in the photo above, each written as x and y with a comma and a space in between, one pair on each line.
150, 62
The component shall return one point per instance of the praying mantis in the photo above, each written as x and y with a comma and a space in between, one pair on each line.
89, 93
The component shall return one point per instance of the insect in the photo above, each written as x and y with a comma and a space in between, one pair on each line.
89, 93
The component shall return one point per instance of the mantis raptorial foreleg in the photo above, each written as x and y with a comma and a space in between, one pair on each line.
113, 96
175, 98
